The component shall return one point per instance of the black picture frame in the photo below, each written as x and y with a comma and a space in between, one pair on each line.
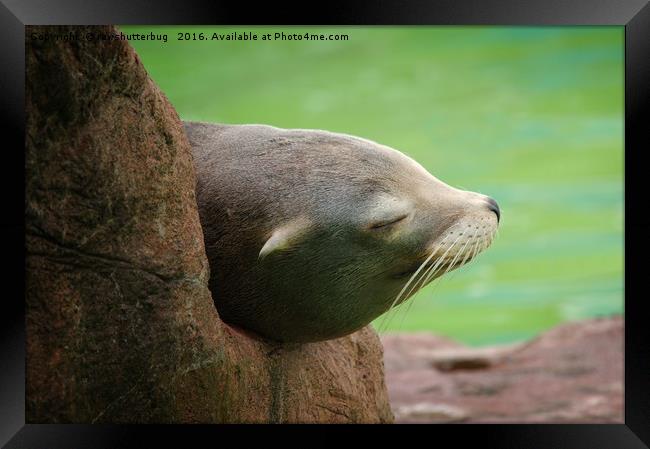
633, 14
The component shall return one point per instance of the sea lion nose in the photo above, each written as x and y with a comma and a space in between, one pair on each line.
494, 207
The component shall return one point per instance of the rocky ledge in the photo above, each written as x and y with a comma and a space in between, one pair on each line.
570, 374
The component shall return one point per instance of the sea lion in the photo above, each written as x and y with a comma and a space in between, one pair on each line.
310, 234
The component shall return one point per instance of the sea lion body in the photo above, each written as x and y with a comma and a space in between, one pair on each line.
310, 234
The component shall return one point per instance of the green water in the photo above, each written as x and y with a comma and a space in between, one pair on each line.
530, 116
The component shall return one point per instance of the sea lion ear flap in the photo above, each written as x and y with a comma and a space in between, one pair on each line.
285, 236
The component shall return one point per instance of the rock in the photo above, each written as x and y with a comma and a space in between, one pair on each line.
569, 374
409, 351
468, 358
121, 326
439, 413
452, 362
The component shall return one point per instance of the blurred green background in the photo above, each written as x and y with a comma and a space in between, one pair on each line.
531, 116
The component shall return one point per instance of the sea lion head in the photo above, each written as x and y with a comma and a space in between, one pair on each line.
311, 234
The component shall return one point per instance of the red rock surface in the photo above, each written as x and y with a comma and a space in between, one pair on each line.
570, 374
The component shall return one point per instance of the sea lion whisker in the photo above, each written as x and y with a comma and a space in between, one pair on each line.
440, 260
473, 253
450, 266
435, 263
491, 239
409, 304
429, 276
485, 244
437, 248
408, 307
432, 269
474, 250
433, 273
470, 251
453, 261
393, 305
476, 246
413, 276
